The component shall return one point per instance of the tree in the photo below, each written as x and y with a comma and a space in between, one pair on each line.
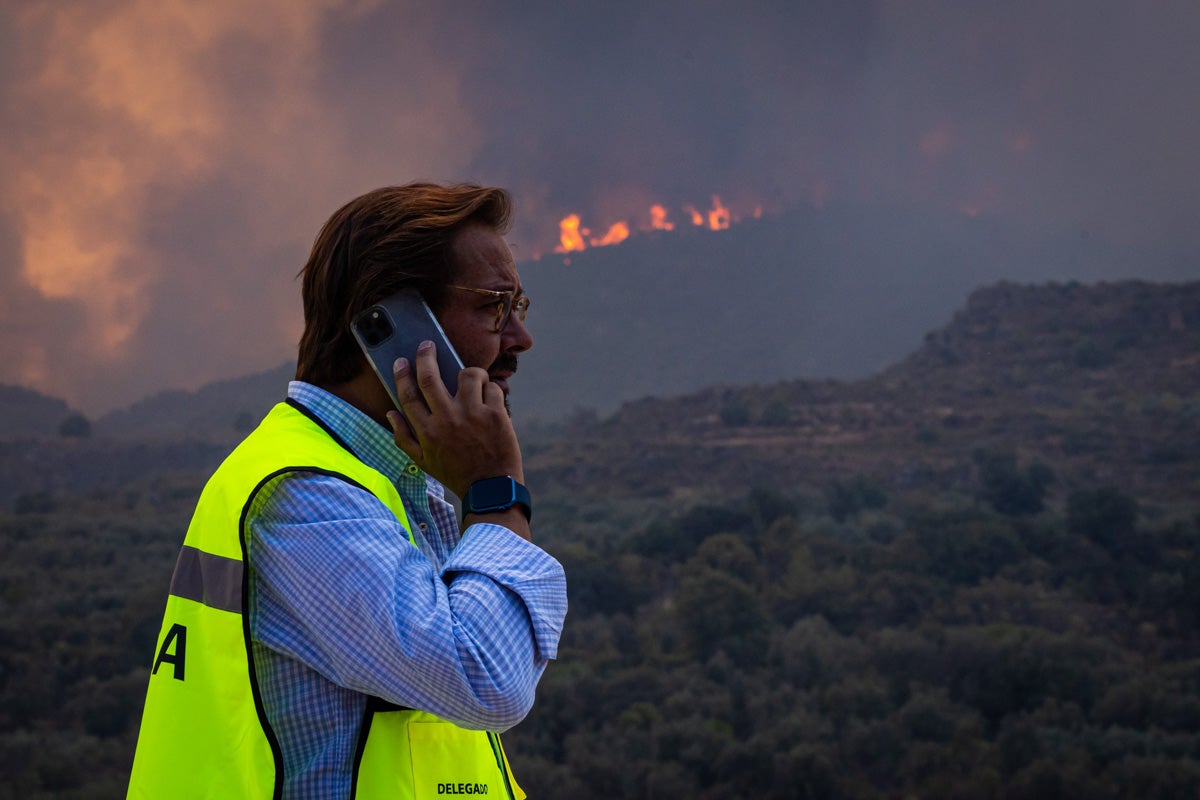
776, 413
733, 411
717, 611
1105, 515
1009, 489
75, 426
847, 499
726, 553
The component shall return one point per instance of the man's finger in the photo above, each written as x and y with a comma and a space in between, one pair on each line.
429, 377
493, 396
472, 382
407, 391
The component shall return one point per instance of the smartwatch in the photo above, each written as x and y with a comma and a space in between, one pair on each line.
497, 494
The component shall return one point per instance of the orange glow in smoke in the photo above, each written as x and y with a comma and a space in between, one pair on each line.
937, 142
819, 194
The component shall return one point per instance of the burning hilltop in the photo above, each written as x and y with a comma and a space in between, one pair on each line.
575, 237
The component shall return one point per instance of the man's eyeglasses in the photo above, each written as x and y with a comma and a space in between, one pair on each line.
506, 303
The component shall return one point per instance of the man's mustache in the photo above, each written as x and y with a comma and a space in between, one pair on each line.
504, 363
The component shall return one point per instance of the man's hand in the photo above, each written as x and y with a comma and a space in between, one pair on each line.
459, 439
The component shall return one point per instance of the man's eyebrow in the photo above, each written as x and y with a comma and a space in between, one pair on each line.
504, 283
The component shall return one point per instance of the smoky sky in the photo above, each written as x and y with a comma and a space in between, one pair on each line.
167, 163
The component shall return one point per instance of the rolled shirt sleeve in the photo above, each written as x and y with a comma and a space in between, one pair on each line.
338, 586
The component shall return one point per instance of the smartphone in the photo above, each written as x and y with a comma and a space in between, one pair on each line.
393, 328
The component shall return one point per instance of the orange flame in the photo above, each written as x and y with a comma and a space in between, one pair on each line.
697, 217
719, 216
658, 219
570, 234
618, 233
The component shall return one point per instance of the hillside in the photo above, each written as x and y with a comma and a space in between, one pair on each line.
222, 410
1100, 382
975, 574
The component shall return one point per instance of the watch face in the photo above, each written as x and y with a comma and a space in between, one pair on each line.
497, 494
493, 494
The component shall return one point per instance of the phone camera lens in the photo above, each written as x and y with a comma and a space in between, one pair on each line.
374, 327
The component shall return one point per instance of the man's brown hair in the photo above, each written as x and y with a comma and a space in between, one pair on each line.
386, 240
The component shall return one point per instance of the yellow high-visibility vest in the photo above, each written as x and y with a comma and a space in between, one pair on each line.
204, 732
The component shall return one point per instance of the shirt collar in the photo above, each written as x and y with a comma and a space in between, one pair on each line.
370, 442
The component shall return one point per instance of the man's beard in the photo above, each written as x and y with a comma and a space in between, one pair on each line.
505, 362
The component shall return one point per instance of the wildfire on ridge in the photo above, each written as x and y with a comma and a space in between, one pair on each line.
573, 237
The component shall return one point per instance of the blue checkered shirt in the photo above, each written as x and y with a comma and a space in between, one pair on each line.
342, 607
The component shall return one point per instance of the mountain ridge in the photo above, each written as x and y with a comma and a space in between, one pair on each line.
27, 412
1101, 382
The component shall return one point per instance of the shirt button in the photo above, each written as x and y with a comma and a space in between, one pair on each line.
412, 469
424, 526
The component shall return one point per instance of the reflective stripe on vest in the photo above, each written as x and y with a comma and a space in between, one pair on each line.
204, 732
215, 581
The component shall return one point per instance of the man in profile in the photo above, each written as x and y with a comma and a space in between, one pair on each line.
332, 629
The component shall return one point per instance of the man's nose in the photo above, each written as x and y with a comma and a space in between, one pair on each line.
515, 338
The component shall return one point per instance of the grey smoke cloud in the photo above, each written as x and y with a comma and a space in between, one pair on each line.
167, 164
